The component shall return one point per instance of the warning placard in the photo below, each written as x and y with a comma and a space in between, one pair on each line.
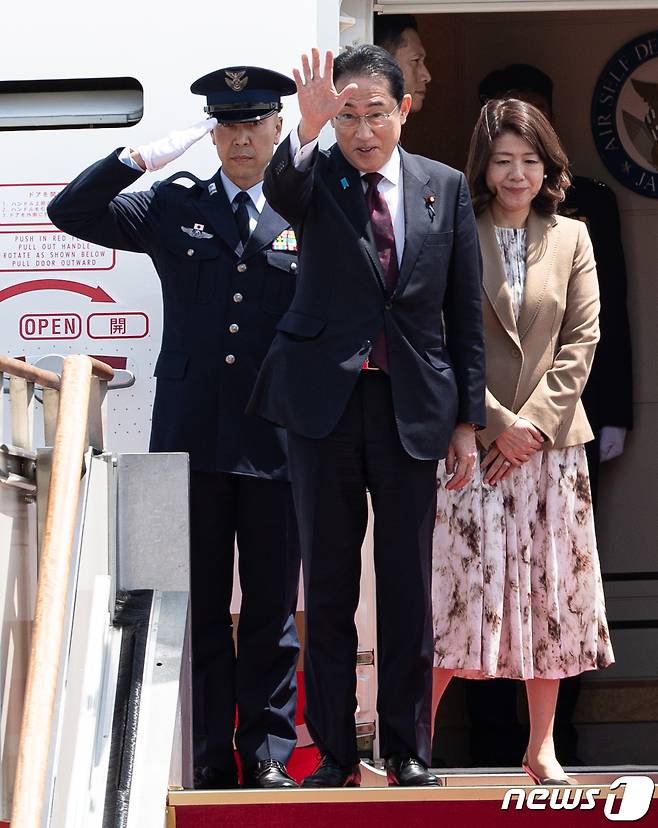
50, 250
26, 203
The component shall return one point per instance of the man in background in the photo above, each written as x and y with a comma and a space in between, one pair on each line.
398, 34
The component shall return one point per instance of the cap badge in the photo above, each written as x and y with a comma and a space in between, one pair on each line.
236, 80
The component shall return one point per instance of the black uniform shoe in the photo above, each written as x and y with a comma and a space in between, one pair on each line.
329, 774
408, 772
211, 779
268, 774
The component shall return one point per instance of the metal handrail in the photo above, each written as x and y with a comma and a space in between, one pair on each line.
54, 572
48, 379
17, 368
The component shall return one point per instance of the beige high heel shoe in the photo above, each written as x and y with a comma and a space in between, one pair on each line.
545, 781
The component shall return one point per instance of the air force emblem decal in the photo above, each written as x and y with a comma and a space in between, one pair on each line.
625, 115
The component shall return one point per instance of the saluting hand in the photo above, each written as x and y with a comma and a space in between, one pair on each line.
157, 154
318, 99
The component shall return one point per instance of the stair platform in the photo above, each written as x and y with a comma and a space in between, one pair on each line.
465, 799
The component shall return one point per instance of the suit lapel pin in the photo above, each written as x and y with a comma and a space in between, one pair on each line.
429, 203
344, 183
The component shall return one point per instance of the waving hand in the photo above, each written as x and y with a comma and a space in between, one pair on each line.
318, 99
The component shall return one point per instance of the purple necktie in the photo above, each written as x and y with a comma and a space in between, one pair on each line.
382, 230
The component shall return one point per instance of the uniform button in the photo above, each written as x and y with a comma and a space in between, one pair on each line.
229, 359
293, 266
242, 267
190, 252
238, 297
388, 305
233, 328
516, 353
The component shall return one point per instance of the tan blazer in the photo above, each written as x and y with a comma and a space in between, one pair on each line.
537, 367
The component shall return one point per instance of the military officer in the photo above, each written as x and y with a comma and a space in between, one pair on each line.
227, 265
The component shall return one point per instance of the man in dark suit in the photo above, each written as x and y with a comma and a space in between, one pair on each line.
227, 264
377, 370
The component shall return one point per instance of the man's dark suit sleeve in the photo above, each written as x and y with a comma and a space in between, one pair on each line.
92, 208
287, 189
609, 404
463, 313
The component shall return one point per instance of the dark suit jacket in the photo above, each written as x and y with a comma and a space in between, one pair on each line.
433, 322
200, 398
607, 403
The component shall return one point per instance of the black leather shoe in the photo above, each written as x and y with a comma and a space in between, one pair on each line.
268, 774
408, 772
212, 779
329, 774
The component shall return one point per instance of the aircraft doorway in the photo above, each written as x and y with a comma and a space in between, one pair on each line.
616, 715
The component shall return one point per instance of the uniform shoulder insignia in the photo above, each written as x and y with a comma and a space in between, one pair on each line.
181, 176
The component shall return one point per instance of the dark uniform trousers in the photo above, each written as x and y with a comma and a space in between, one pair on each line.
330, 477
260, 513
221, 302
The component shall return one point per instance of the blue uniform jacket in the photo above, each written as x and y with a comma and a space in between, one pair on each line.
220, 308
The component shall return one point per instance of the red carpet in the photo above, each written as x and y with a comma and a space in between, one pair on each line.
389, 815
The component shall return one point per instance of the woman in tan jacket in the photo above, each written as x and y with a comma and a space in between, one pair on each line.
517, 588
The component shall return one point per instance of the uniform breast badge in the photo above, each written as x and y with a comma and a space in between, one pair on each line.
196, 232
285, 241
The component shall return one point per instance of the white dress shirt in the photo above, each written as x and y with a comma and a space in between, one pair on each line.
391, 186
254, 205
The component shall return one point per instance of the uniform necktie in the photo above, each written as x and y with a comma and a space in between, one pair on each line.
242, 216
382, 230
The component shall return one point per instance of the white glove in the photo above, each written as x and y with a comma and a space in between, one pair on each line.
158, 153
611, 442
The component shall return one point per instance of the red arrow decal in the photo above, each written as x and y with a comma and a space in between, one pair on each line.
96, 294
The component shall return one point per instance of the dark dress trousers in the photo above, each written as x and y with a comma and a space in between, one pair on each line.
221, 306
352, 430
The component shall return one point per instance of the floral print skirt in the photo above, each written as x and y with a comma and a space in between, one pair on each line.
516, 584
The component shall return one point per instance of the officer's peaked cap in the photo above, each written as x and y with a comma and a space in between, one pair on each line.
238, 94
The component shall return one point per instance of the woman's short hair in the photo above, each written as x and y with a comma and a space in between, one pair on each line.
528, 122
